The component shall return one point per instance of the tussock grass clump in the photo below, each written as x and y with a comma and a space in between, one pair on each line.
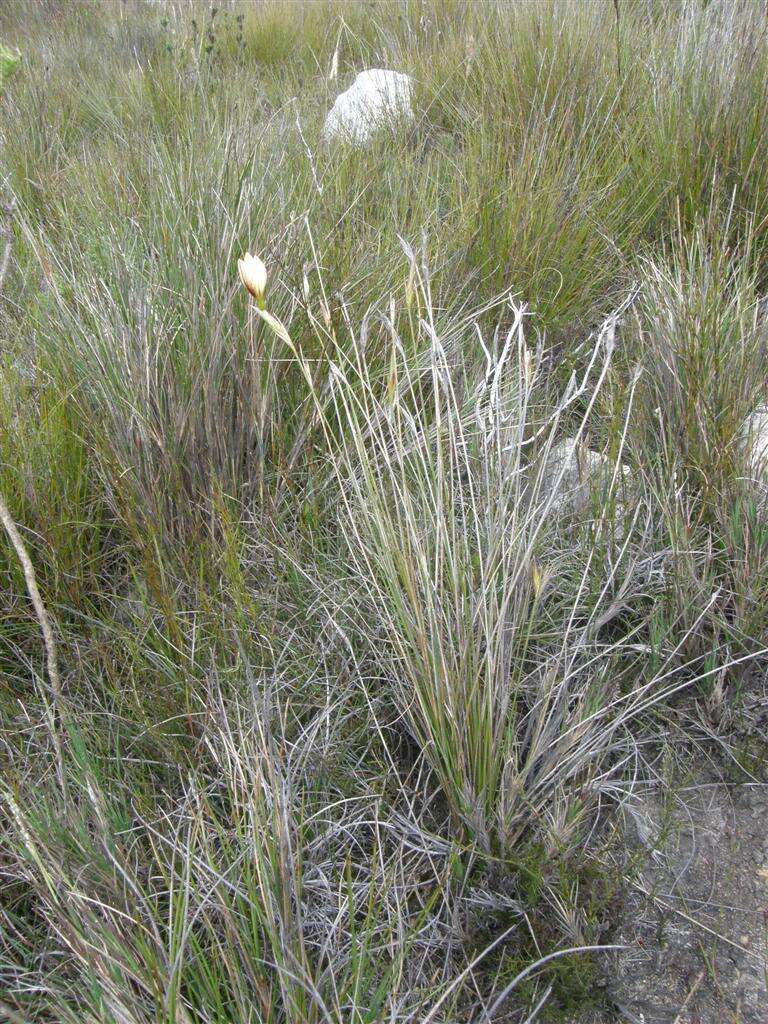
353, 673
450, 532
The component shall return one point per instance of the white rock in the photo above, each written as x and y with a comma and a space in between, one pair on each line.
375, 99
755, 440
581, 469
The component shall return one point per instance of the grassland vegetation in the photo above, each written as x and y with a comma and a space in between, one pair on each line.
349, 684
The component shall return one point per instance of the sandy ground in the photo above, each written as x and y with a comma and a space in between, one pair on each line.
694, 916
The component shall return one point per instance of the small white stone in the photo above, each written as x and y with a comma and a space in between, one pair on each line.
581, 468
755, 440
375, 99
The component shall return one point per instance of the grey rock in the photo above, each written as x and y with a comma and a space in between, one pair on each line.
572, 469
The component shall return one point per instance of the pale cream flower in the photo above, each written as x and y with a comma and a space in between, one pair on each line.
253, 274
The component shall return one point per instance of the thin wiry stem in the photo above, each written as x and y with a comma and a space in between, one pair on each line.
45, 627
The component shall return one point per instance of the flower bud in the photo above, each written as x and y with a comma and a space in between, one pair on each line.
253, 274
